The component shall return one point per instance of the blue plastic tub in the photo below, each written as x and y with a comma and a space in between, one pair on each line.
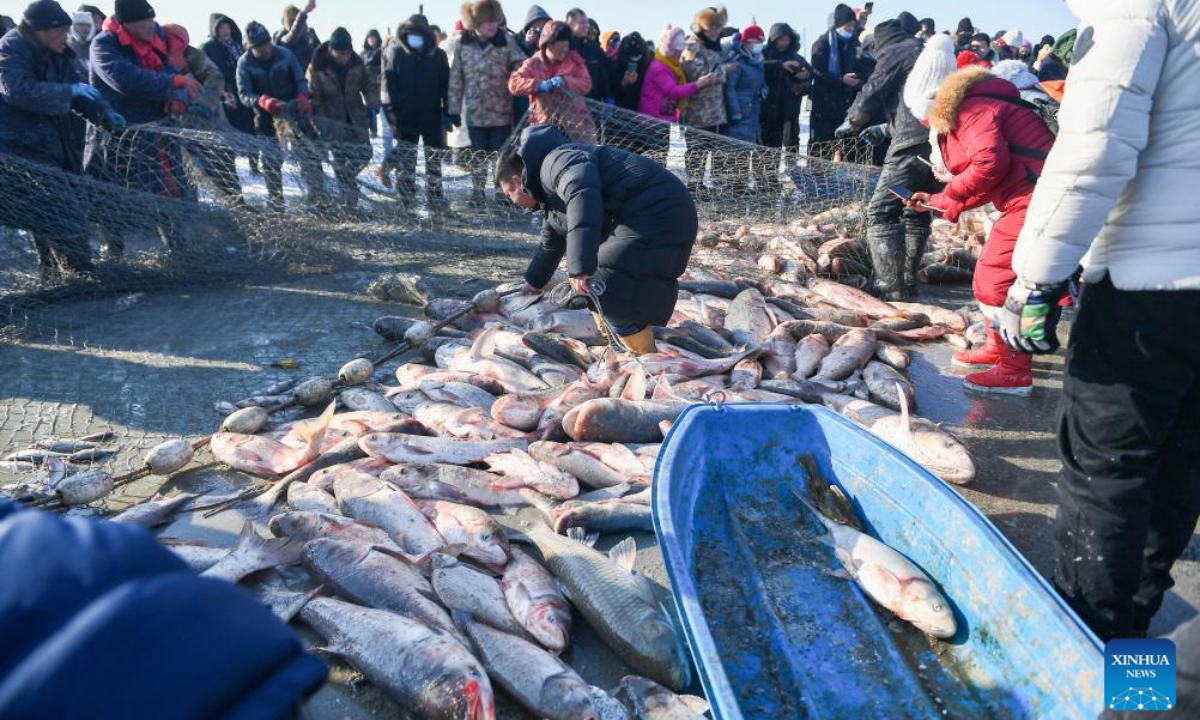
778, 631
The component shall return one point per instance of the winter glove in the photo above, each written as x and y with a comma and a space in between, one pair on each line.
556, 81
875, 135
305, 105
114, 121
546, 86
1029, 321
845, 130
85, 91
193, 89
271, 106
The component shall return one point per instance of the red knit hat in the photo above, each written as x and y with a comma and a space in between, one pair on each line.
966, 59
753, 33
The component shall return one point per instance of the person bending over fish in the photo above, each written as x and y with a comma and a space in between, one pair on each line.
619, 218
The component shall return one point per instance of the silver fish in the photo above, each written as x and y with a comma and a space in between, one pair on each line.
253, 553
372, 500
463, 588
154, 511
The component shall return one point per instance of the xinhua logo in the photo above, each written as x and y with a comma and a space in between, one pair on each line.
1139, 674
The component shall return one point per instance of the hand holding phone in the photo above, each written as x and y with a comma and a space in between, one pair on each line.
913, 200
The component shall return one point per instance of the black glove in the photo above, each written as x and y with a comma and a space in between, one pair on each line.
114, 121
845, 130
455, 119
875, 135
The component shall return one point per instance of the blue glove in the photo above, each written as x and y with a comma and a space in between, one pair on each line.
114, 121
735, 119
844, 130
85, 91
545, 86
1029, 321
556, 81
180, 96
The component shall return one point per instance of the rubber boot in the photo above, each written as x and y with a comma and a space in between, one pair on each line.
981, 358
916, 238
886, 243
641, 342
1012, 375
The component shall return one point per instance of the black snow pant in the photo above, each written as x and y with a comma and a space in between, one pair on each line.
896, 235
404, 157
297, 136
1129, 438
484, 141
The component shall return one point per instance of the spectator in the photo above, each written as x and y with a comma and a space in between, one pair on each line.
836, 81
985, 54
928, 28
1118, 196
1017, 73
745, 87
705, 110
1054, 59
416, 85
83, 30
666, 90
482, 62
7, 24
531, 31
129, 66
995, 147
628, 71
610, 42
342, 87
98, 16
788, 77
270, 80
964, 33
556, 80
969, 58
224, 48
1008, 47
896, 235
591, 52
40, 86
372, 57
296, 36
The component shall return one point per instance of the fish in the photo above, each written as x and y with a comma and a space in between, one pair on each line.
410, 376
884, 382
375, 579
480, 537
102, 436
892, 355
392, 327
939, 274
746, 375
850, 298
18, 466
253, 553
902, 323
648, 700
306, 496
575, 324
850, 353
885, 575
155, 511
479, 359
474, 424
608, 420
573, 459
324, 477
458, 393
460, 587
523, 411
685, 341
520, 469
558, 348
372, 500
607, 706
279, 599
779, 354
428, 671
718, 288
362, 399
554, 374
33, 455
618, 603
632, 514
539, 681
708, 336
400, 448
305, 525
937, 315
536, 601
549, 426
65, 446
810, 353
748, 319
262, 456
456, 484
659, 364
198, 557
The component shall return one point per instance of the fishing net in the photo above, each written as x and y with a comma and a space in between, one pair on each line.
194, 265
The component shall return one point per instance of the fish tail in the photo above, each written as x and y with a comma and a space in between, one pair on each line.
829, 498
266, 553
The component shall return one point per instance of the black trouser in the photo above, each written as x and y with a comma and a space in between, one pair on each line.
484, 140
404, 156
1129, 438
896, 235
299, 136
781, 134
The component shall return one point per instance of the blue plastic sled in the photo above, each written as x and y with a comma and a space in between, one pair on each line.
778, 631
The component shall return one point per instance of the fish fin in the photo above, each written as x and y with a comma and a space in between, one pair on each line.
566, 591
329, 651
516, 536
839, 573
485, 344
294, 602
695, 705
581, 535
462, 619
905, 418
826, 496
624, 553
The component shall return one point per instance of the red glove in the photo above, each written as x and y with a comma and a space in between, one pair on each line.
270, 105
305, 105
176, 108
193, 88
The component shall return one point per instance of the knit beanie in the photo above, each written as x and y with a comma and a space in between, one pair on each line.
935, 63
554, 31
842, 14
1014, 38
753, 33
965, 26
666, 37
83, 18
340, 39
46, 15
130, 11
256, 34
908, 23
1017, 73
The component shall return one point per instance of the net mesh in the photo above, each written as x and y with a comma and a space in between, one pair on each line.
194, 265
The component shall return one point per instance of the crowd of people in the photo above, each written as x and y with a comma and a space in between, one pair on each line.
957, 120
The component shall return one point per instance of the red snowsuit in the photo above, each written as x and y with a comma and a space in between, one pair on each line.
996, 150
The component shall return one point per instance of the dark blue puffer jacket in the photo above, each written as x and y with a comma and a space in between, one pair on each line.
101, 622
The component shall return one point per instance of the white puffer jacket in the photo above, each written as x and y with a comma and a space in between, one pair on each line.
1123, 179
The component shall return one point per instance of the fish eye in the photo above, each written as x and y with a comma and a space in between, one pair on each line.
937, 607
552, 619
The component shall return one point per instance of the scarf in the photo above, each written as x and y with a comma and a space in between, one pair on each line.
680, 79
149, 54
835, 53
715, 46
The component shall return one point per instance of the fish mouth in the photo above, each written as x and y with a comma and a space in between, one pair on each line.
477, 708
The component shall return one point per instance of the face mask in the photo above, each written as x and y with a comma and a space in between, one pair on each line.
845, 34
416, 42
756, 49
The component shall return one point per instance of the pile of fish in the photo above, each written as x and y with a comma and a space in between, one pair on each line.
829, 245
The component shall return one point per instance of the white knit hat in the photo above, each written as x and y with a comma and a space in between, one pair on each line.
1014, 39
1016, 72
935, 63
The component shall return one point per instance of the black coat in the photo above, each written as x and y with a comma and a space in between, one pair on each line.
226, 60
597, 65
831, 98
36, 103
617, 216
628, 96
883, 94
784, 90
416, 85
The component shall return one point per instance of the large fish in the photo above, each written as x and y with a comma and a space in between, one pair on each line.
677, 366
779, 354
748, 319
561, 349
849, 354
370, 577
536, 601
464, 588
459, 393
852, 299
886, 384
400, 448
481, 361
549, 426
369, 499
305, 525
540, 682
323, 478
263, 456
608, 420
888, 577
520, 469
810, 353
480, 536
306, 497
578, 462
746, 375
411, 376
426, 670
253, 553
625, 514
938, 316
523, 411
619, 604
456, 484
155, 511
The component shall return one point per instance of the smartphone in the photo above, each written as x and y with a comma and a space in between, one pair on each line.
925, 161
906, 195
869, 7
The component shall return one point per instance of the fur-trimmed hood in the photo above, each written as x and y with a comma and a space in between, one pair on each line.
943, 115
